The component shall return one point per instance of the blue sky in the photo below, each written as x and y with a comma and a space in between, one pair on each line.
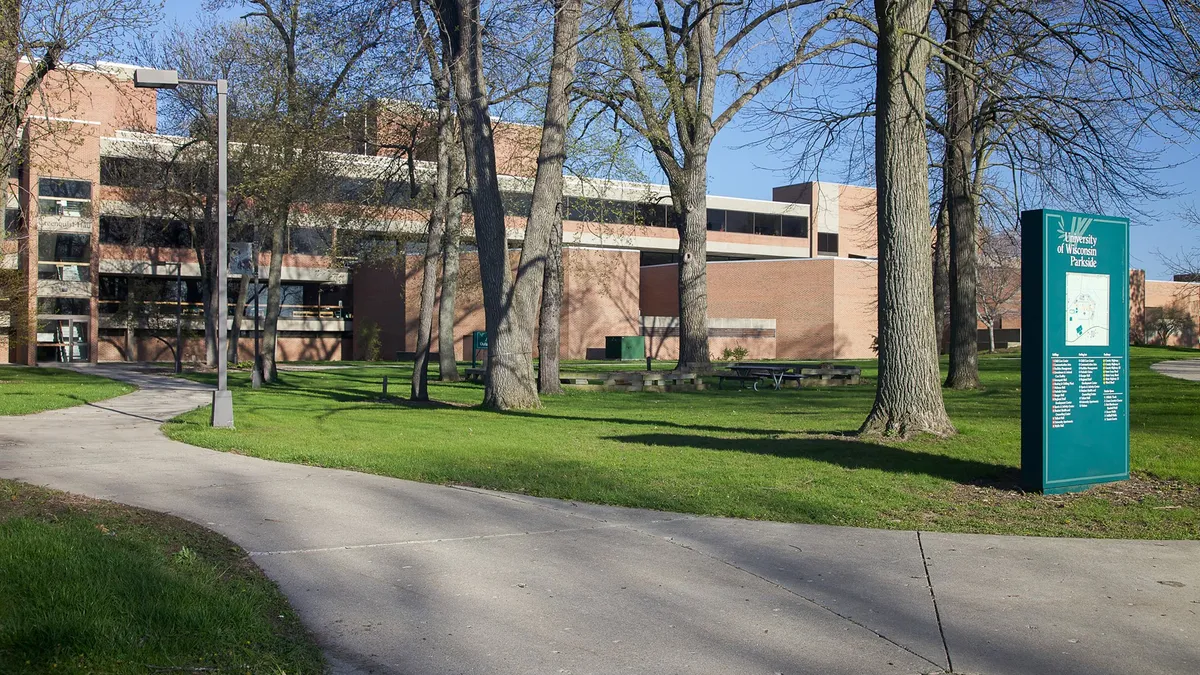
751, 172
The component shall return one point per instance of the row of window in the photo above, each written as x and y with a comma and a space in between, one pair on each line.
125, 172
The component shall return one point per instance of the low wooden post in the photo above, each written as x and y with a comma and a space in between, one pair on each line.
385, 385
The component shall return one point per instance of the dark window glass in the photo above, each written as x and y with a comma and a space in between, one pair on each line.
64, 306
585, 210
64, 247
153, 232
795, 226
716, 220
310, 240
624, 213
739, 221
656, 258
517, 203
768, 223
13, 221
63, 188
827, 243
652, 215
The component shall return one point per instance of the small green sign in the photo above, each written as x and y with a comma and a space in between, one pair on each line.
1074, 350
479, 339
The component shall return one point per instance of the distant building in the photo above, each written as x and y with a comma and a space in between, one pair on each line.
793, 277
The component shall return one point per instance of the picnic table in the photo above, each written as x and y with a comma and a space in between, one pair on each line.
753, 372
804, 374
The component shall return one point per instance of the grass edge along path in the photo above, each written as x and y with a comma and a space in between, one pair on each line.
94, 586
27, 390
785, 456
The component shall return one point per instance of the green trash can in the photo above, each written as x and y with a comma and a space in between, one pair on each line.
624, 347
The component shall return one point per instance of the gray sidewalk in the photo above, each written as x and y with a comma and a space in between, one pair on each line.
401, 577
1184, 369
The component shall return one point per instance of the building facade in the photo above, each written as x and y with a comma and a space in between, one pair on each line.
789, 277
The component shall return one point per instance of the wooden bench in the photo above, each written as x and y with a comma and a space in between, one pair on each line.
476, 375
744, 379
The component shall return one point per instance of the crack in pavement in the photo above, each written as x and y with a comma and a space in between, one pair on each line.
933, 596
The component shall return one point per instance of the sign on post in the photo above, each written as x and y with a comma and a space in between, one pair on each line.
479, 342
241, 258
1074, 350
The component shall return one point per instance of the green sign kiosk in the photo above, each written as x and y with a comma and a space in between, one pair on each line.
1074, 350
479, 342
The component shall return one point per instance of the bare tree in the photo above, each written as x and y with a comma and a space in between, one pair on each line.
44, 32
908, 399
661, 78
307, 55
510, 301
999, 280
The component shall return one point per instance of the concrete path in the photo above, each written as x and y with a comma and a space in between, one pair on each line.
1184, 369
401, 577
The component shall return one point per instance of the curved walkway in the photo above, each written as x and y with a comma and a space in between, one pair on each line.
1184, 369
400, 577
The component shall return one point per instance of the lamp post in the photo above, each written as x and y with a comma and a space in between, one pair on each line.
149, 78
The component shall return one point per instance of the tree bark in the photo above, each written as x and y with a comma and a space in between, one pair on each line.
908, 399
549, 328
239, 310
270, 331
433, 253
691, 213
941, 278
546, 212
509, 379
447, 347
960, 200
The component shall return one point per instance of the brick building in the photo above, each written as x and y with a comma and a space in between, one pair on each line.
790, 277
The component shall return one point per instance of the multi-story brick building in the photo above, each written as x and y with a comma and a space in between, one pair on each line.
792, 277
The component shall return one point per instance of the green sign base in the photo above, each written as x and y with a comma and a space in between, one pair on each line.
1074, 351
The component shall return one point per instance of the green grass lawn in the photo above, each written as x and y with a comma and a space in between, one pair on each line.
783, 455
30, 390
88, 586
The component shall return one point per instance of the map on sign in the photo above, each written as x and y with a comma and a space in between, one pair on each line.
1087, 309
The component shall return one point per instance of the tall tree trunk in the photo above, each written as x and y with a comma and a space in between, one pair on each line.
270, 330
546, 212
549, 328
433, 254
959, 196
447, 349
239, 310
941, 278
691, 213
908, 399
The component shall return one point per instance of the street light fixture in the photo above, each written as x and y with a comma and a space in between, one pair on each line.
149, 78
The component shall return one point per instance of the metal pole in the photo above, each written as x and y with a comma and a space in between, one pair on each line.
178, 318
222, 416
256, 376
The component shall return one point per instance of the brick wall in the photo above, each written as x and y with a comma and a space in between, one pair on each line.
1186, 295
315, 347
823, 308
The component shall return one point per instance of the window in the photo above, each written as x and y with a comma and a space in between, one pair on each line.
517, 203
144, 232
652, 215
64, 306
585, 210
61, 247
309, 240
64, 188
768, 223
827, 243
716, 220
739, 221
795, 226
64, 197
13, 221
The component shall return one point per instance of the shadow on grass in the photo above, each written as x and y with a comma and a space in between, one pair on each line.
850, 454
